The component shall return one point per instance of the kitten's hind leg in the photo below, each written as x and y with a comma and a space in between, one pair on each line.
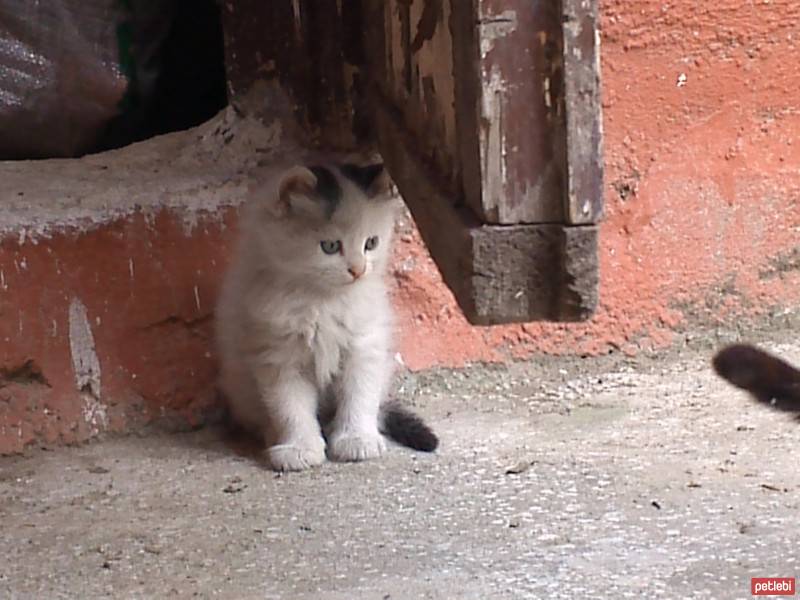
292, 406
353, 433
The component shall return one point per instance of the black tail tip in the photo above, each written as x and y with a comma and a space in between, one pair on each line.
426, 441
732, 360
409, 430
769, 379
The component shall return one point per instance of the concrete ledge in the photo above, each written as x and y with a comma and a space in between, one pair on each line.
105, 329
108, 275
191, 173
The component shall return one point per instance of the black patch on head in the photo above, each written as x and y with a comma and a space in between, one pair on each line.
363, 177
327, 187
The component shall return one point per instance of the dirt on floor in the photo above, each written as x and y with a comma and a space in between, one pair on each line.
596, 478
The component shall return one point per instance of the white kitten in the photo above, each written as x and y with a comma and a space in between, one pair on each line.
304, 321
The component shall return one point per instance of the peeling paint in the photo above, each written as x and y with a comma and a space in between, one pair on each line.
535, 187
494, 166
421, 62
548, 101
95, 414
85, 365
494, 27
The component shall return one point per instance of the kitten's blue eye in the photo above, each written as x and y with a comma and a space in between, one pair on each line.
330, 246
371, 243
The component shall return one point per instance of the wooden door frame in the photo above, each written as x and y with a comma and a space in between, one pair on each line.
512, 226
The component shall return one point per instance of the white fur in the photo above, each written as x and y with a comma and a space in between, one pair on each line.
294, 328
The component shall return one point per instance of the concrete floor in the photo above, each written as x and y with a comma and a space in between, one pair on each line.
611, 478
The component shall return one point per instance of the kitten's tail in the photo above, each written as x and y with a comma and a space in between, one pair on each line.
769, 379
406, 428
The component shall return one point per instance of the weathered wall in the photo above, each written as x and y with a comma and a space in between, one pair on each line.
702, 193
703, 225
109, 330
109, 269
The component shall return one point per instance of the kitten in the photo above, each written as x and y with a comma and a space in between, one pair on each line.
304, 321
769, 379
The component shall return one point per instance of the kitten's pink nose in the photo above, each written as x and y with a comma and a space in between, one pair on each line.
356, 273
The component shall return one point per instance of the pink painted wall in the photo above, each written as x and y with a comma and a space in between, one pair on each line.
702, 194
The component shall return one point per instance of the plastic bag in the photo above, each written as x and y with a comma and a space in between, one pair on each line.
75, 73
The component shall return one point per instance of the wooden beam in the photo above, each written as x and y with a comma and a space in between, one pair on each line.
498, 274
521, 113
310, 48
583, 197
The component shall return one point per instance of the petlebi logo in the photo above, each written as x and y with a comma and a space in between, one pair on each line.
772, 586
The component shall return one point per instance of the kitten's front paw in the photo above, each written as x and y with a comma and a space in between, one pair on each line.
356, 446
288, 457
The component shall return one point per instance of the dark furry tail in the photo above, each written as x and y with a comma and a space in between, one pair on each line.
406, 428
769, 379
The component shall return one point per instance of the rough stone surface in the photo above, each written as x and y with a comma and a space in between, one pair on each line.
566, 478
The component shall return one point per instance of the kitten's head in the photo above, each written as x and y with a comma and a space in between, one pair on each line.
329, 225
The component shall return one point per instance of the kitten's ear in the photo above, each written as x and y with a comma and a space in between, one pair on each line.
373, 179
295, 191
